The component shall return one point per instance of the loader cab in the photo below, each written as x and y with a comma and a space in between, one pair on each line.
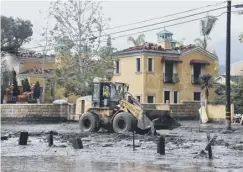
108, 94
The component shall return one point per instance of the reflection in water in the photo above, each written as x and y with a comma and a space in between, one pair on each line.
64, 164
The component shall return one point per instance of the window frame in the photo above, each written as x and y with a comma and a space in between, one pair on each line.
199, 94
150, 57
140, 69
150, 96
117, 66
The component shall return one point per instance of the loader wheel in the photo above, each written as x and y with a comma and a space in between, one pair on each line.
123, 122
89, 122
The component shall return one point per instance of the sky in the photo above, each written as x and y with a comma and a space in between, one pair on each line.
126, 12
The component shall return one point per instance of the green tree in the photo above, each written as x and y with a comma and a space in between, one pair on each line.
14, 33
206, 26
37, 90
140, 40
236, 95
82, 24
181, 42
206, 81
15, 84
26, 85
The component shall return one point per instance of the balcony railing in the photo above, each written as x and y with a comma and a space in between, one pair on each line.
195, 80
170, 78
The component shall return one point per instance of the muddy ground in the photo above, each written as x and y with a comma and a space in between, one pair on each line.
113, 152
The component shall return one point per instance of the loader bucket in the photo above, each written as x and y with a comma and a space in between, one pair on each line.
160, 118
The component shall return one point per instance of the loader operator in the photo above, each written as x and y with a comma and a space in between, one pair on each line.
106, 92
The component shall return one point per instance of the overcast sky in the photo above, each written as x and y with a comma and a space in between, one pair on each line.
125, 12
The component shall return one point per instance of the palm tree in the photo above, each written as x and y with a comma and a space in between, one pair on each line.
206, 26
136, 42
206, 81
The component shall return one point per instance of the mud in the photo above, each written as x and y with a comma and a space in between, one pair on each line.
114, 152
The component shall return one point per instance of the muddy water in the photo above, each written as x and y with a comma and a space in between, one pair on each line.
113, 152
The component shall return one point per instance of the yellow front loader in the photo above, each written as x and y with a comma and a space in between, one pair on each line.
120, 112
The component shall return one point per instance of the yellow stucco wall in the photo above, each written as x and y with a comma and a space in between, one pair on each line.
31, 64
215, 112
151, 83
129, 75
166, 45
34, 79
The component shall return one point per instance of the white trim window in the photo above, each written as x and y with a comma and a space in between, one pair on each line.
150, 64
138, 64
150, 99
117, 66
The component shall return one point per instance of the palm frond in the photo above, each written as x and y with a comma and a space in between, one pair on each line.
132, 40
140, 39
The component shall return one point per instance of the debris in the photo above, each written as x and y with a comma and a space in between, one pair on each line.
77, 143
4, 138
107, 145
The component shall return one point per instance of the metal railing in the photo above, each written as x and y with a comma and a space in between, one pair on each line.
174, 78
195, 80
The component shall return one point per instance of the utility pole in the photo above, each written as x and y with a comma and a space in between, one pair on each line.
228, 40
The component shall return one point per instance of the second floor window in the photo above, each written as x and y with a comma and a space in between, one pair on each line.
117, 66
150, 64
138, 64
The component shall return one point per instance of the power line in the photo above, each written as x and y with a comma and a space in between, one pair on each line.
169, 15
144, 30
188, 21
163, 21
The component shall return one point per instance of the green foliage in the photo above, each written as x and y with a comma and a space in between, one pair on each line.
37, 91
206, 81
77, 32
15, 83
206, 26
26, 85
236, 93
14, 33
140, 40
241, 37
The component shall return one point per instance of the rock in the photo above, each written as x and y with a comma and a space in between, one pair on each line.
107, 144
4, 138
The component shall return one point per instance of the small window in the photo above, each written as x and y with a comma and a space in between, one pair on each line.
150, 99
150, 64
175, 97
138, 99
138, 64
117, 66
197, 96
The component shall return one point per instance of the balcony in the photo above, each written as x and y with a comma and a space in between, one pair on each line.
195, 80
170, 78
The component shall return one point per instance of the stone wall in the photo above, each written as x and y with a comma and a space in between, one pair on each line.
34, 112
185, 110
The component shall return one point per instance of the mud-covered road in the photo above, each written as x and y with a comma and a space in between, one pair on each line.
113, 152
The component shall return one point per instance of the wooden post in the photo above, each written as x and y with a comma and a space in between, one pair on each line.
208, 147
133, 141
161, 145
23, 138
50, 139
232, 112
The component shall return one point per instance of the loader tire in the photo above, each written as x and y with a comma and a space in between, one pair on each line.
123, 122
89, 122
